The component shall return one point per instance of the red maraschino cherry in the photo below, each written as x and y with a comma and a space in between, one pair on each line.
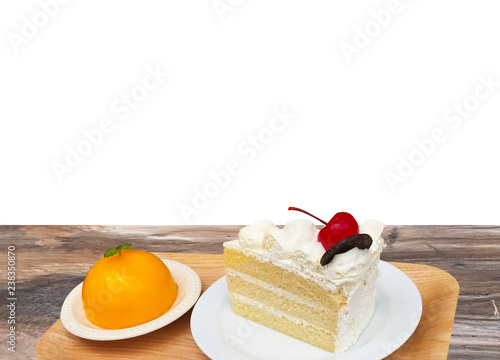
340, 226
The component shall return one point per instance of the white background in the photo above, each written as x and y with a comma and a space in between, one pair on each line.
354, 120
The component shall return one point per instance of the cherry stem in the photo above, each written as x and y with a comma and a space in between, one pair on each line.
305, 212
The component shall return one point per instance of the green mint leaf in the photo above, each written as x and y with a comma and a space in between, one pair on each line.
111, 252
117, 250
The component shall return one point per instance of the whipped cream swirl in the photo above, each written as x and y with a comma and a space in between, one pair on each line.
296, 246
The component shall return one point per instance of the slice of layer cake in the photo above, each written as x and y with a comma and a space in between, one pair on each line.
276, 279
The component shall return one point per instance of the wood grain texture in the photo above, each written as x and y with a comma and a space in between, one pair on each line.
51, 260
438, 289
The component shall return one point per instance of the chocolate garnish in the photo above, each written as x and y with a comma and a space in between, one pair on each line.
361, 241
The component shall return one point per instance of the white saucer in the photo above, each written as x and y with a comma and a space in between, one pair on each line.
223, 335
74, 320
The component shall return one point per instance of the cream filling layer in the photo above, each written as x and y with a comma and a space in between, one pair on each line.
286, 294
278, 313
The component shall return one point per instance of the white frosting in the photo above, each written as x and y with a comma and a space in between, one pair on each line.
283, 243
356, 314
295, 248
253, 236
351, 261
373, 228
308, 254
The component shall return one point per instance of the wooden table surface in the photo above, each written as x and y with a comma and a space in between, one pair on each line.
51, 260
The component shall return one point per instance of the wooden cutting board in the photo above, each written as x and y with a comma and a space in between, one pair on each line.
439, 291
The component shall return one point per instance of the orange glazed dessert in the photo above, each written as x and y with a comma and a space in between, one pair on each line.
127, 288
